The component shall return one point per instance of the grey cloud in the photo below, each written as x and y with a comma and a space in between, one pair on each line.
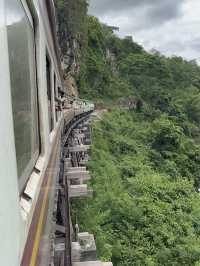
166, 10
170, 26
173, 46
178, 45
105, 6
155, 11
195, 44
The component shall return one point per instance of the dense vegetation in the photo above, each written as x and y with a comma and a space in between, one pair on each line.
120, 67
145, 161
145, 210
100, 78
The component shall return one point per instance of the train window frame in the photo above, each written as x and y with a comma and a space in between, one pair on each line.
30, 165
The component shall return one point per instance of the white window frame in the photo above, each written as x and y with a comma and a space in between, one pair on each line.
28, 12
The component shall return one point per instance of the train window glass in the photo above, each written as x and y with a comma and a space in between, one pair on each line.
21, 48
49, 92
55, 98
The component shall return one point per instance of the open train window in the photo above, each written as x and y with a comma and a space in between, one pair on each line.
55, 97
49, 92
59, 96
21, 47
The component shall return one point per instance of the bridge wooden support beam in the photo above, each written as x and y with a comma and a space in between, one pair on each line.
75, 169
79, 148
79, 191
81, 175
85, 248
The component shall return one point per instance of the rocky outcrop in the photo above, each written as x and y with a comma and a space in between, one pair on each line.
72, 35
70, 83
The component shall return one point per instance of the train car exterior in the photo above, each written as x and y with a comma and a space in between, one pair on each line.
31, 115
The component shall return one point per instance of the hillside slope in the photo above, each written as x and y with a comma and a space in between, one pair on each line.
115, 67
145, 210
145, 160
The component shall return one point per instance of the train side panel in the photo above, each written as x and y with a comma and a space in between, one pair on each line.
9, 194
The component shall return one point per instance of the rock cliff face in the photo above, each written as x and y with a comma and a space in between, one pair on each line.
70, 83
72, 35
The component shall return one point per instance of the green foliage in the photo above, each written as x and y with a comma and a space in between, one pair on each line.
115, 68
144, 211
145, 163
99, 77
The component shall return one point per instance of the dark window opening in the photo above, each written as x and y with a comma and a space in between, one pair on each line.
49, 94
55, 98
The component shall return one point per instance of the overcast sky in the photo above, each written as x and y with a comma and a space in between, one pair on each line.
170, 26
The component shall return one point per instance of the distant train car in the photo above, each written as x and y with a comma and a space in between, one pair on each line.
31, 121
